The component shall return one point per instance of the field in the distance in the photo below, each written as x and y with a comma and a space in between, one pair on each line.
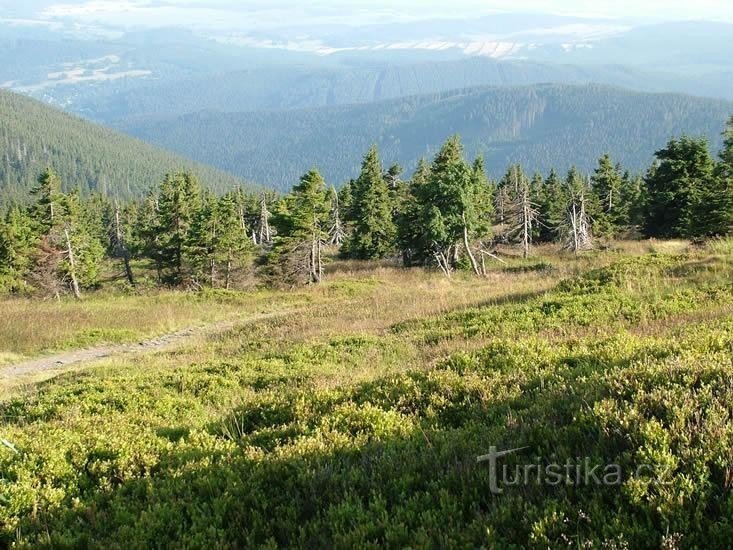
354, 417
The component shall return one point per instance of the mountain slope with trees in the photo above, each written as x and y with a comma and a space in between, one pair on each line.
541, 126
347, 82
86, 156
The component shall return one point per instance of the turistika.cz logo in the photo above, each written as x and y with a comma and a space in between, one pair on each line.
580, 471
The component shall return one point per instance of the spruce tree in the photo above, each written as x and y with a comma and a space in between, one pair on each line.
678, 188
717, 199
233, 251
178, 205
607, 181
46, 210
484, 193
372, 229
302, 222
450, 207
551, 207
412, 240
17, 240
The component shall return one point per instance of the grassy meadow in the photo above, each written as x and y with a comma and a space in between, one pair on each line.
353, 416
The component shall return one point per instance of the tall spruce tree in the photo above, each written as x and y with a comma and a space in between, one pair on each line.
608, 185
551, 206
68, 253
372, 228
717, 198
178, 205
678, 188
302, 222
450, 209
412, 240
17, 239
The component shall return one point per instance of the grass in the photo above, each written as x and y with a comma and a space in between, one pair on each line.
356, 421
29, 327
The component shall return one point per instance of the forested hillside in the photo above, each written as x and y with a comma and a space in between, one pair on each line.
351, 81
541, 126
86, 156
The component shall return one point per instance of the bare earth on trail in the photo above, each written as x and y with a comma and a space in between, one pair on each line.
60, 361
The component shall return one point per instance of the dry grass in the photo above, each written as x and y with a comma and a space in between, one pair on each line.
359, 298
31, 327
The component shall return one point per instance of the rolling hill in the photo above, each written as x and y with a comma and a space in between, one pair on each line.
354, 81
541, 126
87, 156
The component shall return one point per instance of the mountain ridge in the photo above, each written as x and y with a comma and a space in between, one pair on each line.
86, 155
542, 126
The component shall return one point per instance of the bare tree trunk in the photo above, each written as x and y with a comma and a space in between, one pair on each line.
265, 235
122, 247
72, 265
228, 276
527, 225
442, 259
320, 261
466, 244
574, 223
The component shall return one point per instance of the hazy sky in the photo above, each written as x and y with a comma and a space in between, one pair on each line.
304, 12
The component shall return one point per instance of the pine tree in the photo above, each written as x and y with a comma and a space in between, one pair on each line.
450, 207
716, 199
145, 239
372, 228
484, 194
607, 181
68, 253
551, 207
216, 244
232, 250
83, 251
178, 205
17, 240
634, 200
46, 210
676, 189
411, 234
302, 223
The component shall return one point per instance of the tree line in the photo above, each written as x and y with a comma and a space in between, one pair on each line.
448, 214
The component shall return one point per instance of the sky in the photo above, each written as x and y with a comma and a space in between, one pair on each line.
273, 13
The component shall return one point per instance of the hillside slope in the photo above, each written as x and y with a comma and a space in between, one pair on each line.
87, 156
541, 126
355, 81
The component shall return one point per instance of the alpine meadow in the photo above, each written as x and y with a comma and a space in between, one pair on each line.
365, 276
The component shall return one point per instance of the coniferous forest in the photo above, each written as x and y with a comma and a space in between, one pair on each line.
437, 283
448, 214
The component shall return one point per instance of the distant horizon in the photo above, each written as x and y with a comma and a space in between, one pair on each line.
260, 15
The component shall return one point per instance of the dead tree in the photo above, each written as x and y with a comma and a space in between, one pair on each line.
524, 218
336, 233
264, 233
577, 228
316, 257
467, 245
72, 266
119, 245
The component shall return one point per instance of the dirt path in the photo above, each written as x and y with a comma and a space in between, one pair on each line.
79, 357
